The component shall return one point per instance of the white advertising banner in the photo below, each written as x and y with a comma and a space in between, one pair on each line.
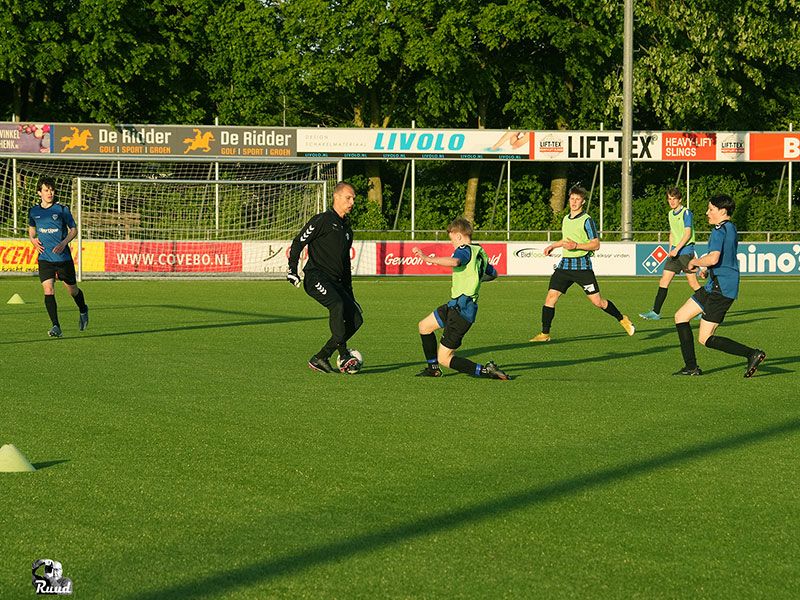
265, 257
613, 258
468, 144
273, 257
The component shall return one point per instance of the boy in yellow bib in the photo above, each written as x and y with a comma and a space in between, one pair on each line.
579, 241
470, 267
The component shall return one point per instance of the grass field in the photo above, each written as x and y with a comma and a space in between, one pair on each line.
184, 449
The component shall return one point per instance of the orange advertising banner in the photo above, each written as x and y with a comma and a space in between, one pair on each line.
688, 146
19, 256
774, 146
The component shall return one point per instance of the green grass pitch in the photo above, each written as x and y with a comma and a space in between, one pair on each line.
185, 450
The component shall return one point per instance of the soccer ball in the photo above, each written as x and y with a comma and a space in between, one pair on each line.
357, 367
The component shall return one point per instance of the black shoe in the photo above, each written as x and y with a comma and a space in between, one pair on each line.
490, 369
347, 363
430, 372
83, 320
756, 358
320, 364
691, 372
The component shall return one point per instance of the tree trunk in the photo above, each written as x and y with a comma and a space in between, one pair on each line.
472, 191
474, 175
371, 104
375, 190
558, 187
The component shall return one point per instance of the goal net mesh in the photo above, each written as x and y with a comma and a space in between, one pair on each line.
167, 218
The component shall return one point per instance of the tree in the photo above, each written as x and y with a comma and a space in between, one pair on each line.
34, 50
245, 65
135, 61
706, 65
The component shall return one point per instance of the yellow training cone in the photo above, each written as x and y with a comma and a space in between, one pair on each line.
13, 461
16, 299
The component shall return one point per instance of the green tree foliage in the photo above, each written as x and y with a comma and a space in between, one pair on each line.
703, 64
135, 61
34, 50
521, 64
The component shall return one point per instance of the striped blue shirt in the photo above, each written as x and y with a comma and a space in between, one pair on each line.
581, 263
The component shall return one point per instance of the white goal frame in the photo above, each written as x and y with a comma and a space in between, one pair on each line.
320, 200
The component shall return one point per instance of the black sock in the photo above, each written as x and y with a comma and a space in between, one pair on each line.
548, 314
429, 347
613, 311
687, 345
52, 309
327, 350
728, 345
463, 365
661, 295
80, 301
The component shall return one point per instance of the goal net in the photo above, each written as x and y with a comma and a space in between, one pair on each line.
176, 219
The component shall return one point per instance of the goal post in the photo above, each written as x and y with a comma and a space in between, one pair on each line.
132, 227
18, 178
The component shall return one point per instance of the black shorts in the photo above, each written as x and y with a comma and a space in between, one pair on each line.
714, 305
64, 270
562, 279
329, 292
679, 263
455, 325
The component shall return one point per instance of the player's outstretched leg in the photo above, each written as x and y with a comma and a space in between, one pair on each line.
755, 359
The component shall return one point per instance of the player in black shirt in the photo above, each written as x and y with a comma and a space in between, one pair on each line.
328, 279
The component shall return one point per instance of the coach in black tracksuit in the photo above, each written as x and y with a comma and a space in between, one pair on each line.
328, 279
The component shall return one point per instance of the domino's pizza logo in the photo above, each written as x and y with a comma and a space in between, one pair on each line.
654, 259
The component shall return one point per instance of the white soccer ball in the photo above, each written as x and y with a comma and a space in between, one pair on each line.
354, 369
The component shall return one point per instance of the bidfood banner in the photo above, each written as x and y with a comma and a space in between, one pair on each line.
613, 258
755, 258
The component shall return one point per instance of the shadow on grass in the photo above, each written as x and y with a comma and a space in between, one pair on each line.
48, 463
764, 309
224, 583
263, 320
770, 366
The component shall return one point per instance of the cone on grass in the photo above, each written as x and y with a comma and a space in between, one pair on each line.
14, 461
16, 299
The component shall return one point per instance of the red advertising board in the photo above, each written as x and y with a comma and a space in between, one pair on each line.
397, 258
688, 146
174, 257
775, 146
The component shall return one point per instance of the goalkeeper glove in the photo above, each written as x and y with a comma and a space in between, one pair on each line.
293, 278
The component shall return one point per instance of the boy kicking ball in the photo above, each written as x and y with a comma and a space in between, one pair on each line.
470, 266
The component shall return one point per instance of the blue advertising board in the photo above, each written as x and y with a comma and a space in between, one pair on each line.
755, 258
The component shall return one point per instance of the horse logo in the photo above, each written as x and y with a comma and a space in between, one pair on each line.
78, 139
200, 141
